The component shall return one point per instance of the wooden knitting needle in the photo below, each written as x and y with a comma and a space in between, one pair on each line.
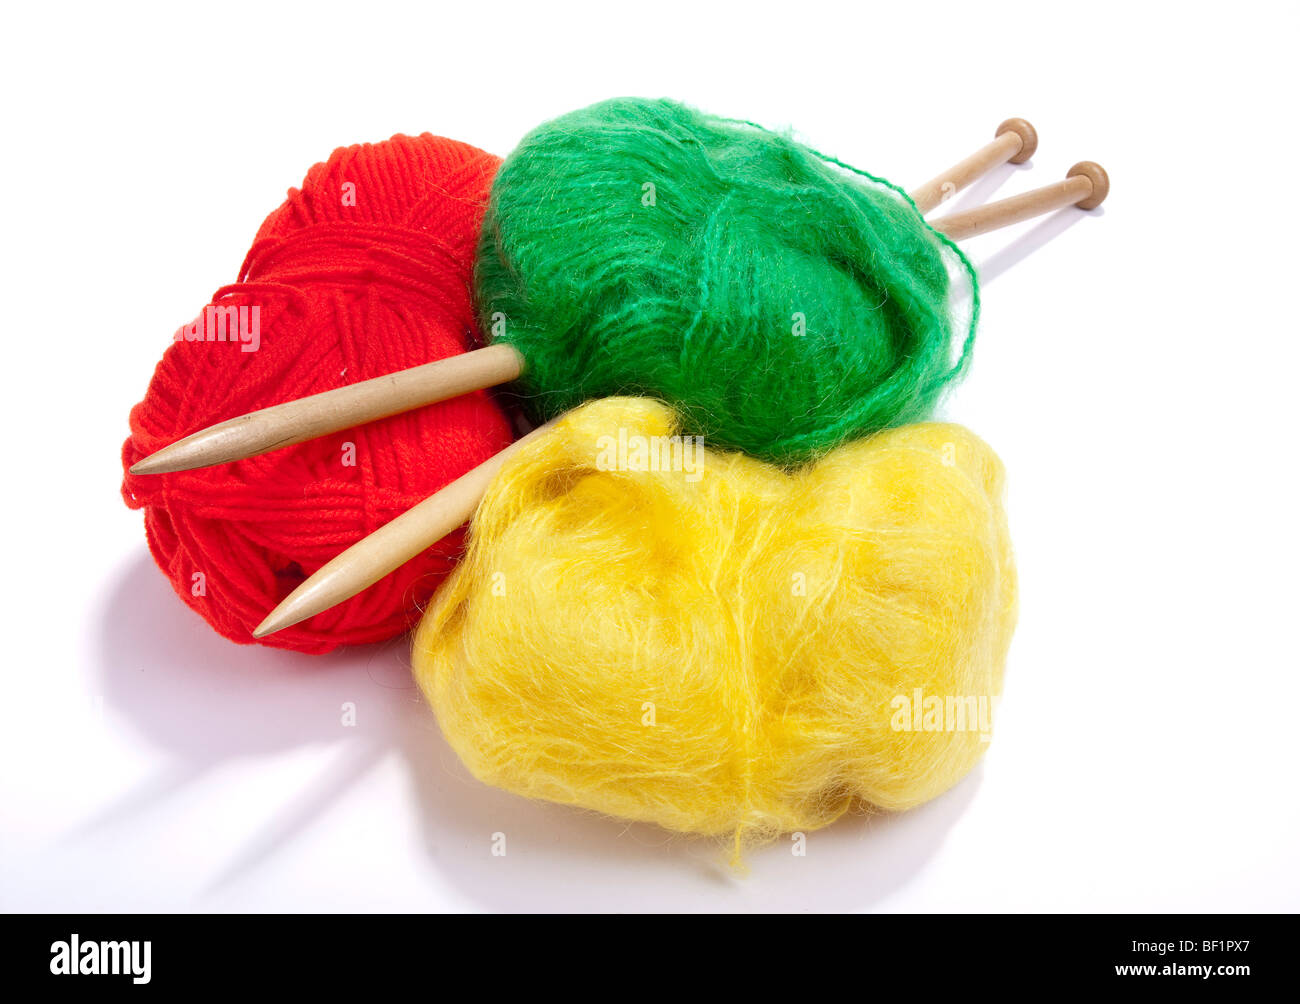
1086, 186
391, 546
397, 542
1014, 141
342, 408
320, 414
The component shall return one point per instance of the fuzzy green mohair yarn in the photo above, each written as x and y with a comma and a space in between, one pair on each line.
783, 302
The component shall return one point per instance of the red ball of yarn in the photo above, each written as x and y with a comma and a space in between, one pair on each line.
363, 271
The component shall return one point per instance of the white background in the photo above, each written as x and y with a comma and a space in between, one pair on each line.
1135, 370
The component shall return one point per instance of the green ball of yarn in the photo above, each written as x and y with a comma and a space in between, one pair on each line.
783, 302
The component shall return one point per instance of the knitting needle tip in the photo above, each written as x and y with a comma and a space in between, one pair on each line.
218, 444
333, 584
391, 546
277, 620
162, 462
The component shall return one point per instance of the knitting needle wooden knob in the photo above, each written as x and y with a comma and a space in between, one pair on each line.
1014, 142
1086, 186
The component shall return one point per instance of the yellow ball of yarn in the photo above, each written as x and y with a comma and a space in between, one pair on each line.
725, 647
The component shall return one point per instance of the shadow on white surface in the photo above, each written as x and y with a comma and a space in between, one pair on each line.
209, 703
1037, 236
569, 860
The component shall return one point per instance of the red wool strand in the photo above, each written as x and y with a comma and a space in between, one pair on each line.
364, 270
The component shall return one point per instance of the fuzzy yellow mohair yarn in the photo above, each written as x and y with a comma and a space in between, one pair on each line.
726, 647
